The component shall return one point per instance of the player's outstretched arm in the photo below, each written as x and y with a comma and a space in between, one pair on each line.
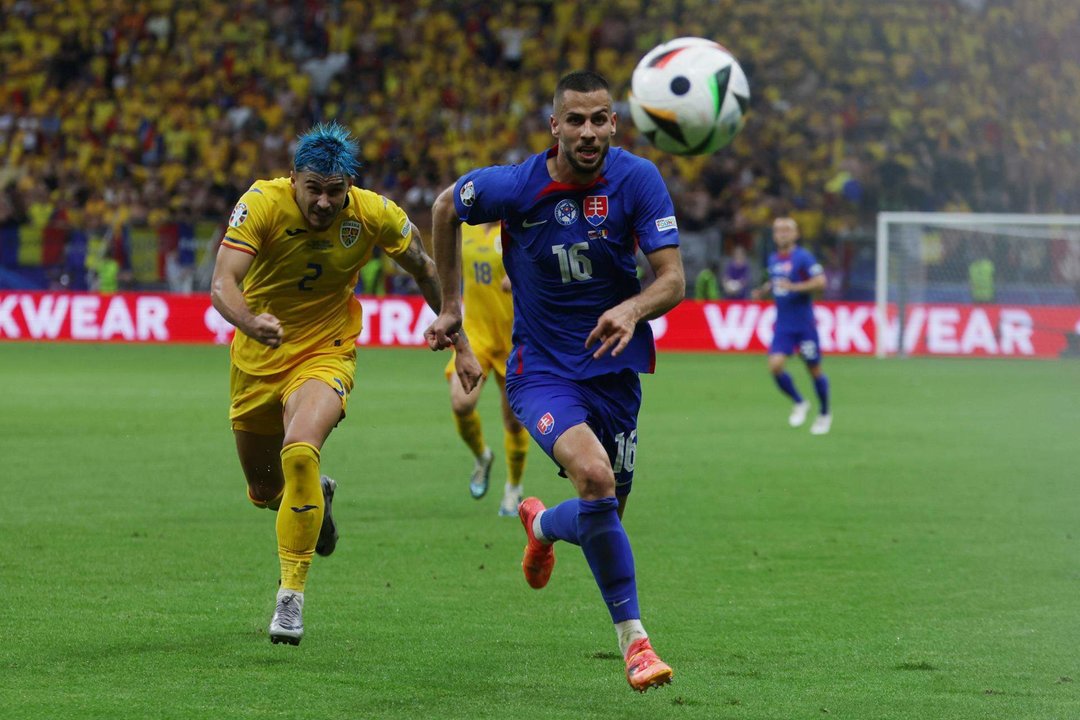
419, 264
447, 249
616, 327
230, 267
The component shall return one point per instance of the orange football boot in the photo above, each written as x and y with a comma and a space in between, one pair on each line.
539, 557
644, 669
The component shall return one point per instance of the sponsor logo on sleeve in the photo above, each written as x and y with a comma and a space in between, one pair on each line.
239, 215
666, 223
405, 228
467, 194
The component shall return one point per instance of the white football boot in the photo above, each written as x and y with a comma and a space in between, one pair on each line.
798, 413
287, 625
481, 475
510, 500
821, 425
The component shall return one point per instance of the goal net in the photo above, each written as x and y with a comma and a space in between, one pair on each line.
1013, 275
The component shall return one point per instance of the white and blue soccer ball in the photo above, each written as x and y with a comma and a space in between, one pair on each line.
689, 96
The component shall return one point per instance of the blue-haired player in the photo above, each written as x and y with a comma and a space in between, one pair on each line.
284, 276
573, 218
794, 275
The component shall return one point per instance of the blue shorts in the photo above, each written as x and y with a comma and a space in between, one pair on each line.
548, 406
785, 342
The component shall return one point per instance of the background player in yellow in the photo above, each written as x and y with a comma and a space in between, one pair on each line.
489, 319
284, 276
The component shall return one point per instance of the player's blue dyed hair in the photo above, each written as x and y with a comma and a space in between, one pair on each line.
327, 149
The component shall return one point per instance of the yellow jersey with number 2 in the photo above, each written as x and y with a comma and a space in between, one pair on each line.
306, 278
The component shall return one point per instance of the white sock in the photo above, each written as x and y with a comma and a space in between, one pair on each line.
537, 532
629, 631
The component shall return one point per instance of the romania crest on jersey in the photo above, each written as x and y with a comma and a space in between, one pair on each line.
350, 233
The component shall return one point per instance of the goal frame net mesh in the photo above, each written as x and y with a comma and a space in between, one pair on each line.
968, 259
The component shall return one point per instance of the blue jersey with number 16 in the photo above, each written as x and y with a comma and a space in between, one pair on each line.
569, 251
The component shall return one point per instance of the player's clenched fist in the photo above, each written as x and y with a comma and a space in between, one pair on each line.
266, 329
442, 333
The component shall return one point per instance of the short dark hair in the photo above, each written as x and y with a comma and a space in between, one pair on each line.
583, 81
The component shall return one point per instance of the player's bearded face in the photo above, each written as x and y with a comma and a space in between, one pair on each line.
320, 197
584, 124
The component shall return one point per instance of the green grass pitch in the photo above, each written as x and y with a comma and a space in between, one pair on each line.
922, 561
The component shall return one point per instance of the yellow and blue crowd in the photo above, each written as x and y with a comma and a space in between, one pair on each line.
128, 129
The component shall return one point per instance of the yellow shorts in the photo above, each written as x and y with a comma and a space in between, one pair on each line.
257, 402
488, 361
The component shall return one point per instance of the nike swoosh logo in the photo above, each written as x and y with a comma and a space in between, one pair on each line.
304, 509
292, 232
527, 224
614, 604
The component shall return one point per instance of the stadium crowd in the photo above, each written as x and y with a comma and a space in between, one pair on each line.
127, 124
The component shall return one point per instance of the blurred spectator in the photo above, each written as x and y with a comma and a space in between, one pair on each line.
372, 278
737, 280
706, 284
981, 278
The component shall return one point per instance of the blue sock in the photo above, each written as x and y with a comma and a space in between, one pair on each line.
821, 384
607, 550
561, 522
787, 386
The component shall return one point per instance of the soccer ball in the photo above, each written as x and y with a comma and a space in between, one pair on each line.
688, 96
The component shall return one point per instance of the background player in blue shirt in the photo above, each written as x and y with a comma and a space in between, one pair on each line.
573, 218
793, 275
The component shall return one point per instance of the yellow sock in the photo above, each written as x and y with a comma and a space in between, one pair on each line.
301, 514
468, 427
267, 504
517, 445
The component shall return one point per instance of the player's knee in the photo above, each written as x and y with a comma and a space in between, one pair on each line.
462, 406
265, 495
595, 479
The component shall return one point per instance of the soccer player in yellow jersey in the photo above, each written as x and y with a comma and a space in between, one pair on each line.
489, 318
284, 276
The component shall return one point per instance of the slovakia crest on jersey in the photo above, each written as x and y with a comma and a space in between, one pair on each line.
349, 233
596, 207
545, 424
566, 212
239, 215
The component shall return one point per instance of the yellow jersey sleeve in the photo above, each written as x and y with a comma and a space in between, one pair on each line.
250, 222
394, 229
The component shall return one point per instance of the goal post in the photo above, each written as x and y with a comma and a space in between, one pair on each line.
971, 259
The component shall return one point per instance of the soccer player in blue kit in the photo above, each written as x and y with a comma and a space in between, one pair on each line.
793, 275
573, 217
